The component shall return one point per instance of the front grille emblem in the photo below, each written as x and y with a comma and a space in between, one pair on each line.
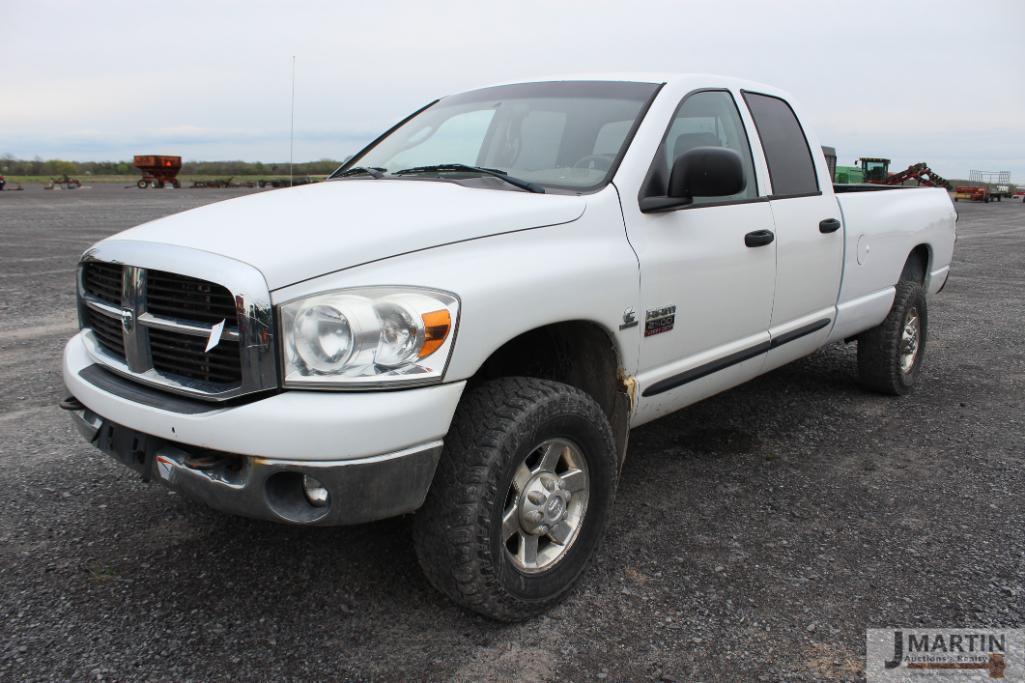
215, 336
127, 319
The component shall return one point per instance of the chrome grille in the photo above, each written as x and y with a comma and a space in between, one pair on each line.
178, 296
185, 355
103, 281
107, 331
177, 331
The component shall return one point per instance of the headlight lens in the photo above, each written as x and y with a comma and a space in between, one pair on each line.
369, 337
323, 339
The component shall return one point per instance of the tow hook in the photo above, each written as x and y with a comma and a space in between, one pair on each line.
71, 403
87, 422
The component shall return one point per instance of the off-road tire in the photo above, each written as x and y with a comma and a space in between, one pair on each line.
457, 533
879, 349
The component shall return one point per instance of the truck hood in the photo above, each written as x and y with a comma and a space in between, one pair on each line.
303, 232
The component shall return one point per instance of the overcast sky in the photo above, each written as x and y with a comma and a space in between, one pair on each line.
941, 81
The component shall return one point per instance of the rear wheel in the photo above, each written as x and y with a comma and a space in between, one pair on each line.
520, 499
890, 355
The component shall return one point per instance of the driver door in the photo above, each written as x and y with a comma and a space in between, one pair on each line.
707, 294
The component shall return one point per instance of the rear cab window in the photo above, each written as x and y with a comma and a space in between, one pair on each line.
791, 166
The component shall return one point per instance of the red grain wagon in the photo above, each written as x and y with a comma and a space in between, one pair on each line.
157, 171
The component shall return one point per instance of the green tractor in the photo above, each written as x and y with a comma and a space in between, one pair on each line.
865, 170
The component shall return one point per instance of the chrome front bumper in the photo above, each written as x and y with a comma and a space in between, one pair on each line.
359, 490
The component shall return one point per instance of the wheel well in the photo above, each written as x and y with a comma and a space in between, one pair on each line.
579, 353
917, 266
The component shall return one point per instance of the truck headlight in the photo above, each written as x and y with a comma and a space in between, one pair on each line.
370, 337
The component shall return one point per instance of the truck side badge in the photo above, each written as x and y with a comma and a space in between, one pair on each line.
629, 318
659, 320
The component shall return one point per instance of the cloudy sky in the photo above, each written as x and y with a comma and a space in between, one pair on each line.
939, 81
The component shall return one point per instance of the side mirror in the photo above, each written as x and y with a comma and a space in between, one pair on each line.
700, 172
706, 172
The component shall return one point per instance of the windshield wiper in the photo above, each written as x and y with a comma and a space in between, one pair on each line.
464, 168
372, 171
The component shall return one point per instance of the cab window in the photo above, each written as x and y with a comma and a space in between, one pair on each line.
704, 119
791, 169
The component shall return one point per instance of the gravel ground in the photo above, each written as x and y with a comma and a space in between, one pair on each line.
755, 535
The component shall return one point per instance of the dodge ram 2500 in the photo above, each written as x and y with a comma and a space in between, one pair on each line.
466, 320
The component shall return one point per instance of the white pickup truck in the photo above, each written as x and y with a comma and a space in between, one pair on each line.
469, 317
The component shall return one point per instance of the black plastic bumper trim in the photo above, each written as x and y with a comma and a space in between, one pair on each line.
155, 398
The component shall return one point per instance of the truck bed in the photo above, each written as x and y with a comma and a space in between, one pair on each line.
879, 232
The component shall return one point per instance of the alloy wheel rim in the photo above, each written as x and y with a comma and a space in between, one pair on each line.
545, 505
910, 340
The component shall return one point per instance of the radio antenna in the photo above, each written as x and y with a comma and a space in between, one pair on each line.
291, 129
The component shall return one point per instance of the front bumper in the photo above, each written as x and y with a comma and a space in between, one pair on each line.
375, 452
359, 490
291, 425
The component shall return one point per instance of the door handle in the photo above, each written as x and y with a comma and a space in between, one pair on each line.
759, 238
829, 225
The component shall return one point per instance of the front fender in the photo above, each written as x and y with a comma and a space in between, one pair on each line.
511, 283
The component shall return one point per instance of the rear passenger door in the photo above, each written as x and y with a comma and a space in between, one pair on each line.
809, 237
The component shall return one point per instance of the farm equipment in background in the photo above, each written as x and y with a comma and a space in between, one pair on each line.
3, 185
157, 171
876, 170
285, 182
972, 193
848, 175
921, 173
64, 182
996, 183
213, 183
864, 170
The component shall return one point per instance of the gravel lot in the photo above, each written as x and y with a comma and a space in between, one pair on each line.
755, 536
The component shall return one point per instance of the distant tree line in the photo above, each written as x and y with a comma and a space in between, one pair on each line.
55, 167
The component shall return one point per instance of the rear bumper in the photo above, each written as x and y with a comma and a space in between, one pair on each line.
359, 490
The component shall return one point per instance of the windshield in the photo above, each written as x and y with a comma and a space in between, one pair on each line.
567, 134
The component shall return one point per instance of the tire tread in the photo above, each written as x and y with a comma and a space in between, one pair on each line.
450, 530
878, 348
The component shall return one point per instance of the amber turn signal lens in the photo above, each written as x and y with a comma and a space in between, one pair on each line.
436, 327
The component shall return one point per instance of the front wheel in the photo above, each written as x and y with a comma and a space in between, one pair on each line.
521, 497
890, 354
